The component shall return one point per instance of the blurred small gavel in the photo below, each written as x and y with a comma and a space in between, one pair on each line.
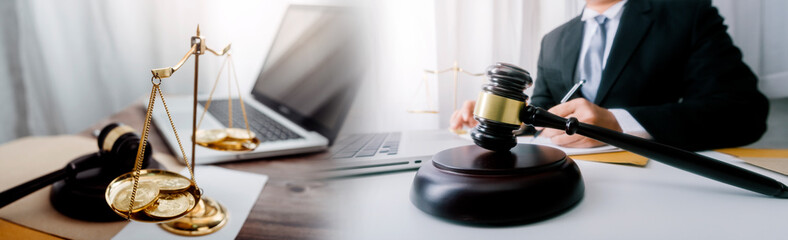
85, 178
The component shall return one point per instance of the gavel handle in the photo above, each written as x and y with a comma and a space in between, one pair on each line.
79, 164
20, 191
682, 159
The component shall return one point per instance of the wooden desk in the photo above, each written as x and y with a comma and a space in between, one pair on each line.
287, 208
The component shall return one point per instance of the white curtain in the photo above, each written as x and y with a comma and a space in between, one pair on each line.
758, 29
66, 64
412, 35
476, 34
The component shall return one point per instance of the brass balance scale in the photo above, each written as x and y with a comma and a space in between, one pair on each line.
430, 108
168, 198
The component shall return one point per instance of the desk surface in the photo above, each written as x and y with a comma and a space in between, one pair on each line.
621, 202
287, 208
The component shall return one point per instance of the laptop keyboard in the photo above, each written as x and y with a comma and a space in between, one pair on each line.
366, 145
266, 129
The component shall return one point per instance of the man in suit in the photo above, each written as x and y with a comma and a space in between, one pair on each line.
664, 70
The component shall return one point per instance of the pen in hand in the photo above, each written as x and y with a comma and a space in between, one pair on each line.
563, 100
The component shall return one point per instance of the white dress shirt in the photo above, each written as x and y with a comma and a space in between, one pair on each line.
628, 123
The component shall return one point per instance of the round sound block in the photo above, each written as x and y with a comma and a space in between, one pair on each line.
473, 185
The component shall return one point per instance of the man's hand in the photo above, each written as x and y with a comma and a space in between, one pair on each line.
586, 112
463, 117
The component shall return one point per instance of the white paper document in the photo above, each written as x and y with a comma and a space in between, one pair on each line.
568, 151
236, 190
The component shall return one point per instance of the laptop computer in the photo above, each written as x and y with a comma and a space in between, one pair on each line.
300, 98
372, 153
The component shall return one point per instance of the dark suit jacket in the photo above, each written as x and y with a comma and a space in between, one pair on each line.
673, 67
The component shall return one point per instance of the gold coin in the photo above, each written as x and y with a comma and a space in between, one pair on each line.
231, 145
249, 145
147, 193
171, 205
239, 133
170, 183
234, 145
210, 136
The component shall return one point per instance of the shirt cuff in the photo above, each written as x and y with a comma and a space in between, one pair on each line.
628, 123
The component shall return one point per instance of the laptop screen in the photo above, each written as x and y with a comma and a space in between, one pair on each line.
311, 71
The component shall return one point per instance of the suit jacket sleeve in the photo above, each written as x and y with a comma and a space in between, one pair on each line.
720, 105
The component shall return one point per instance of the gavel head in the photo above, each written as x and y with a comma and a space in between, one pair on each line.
81, 194
118, 146
498, 107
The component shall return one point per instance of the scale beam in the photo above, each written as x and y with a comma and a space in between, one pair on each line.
198, 48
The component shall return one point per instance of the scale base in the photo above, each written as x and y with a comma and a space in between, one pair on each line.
472, 185
207, 217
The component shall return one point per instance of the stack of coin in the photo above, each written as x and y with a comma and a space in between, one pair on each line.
229, 139
240, 134
210, 136
173, 200
161, 195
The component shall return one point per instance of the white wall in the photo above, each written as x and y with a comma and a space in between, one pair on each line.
67, 64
